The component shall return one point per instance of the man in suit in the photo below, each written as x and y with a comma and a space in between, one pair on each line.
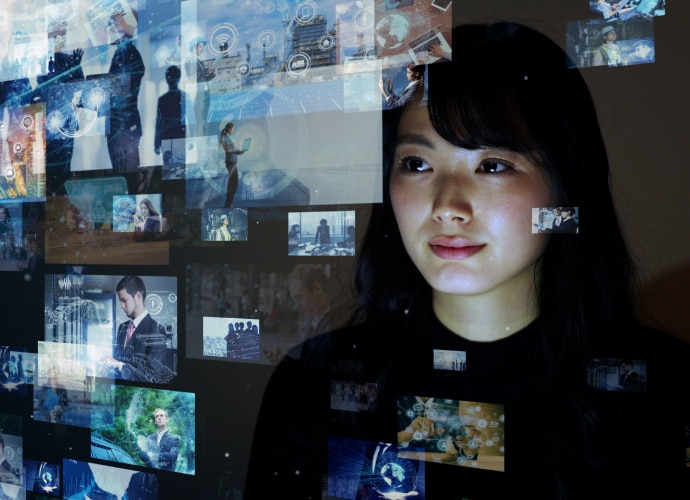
170, 113
34, 263
126, 71
569, 224
139, 352
162, 446
198, 73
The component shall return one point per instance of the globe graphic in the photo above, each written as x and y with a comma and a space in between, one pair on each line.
642, 52
391, 31
393, 475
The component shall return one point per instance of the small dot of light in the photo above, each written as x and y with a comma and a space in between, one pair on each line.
226, 454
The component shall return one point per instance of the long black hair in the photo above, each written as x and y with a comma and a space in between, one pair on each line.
511, 87
152, 210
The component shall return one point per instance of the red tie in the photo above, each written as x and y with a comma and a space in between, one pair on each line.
130, 331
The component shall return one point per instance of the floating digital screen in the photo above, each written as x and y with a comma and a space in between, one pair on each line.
628, 9
80, 228
617, 374
43, 478
348, 395
83, 479
138, 213
224, 224
556, 220
357, 467
126, 430
594, 42
452, 432
65, 387
91, 314
12, 470
16, 370
285, 165
11, 236
22, 151
450, 360
287, 303
322, 233
231, 338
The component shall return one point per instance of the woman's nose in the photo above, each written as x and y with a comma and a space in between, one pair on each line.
453, 200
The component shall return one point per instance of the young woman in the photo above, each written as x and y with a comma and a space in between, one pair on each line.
294, 234
449, 269
150, 221
231, 153
415, 76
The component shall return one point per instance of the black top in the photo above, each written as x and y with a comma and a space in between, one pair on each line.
485, 428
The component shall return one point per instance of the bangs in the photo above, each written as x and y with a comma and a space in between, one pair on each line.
506, 88
475, 113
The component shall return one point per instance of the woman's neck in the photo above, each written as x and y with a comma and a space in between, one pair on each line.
487, 317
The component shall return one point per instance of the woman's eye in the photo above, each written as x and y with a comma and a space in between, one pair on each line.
494, 167
414, 164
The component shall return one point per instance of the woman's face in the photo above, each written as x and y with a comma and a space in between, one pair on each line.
465, 216
144, 210
2, 214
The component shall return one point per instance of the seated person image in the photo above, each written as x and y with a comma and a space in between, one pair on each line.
294, 234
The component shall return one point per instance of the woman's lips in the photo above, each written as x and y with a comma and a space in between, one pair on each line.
454, 249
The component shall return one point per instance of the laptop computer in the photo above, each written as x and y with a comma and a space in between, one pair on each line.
419, 47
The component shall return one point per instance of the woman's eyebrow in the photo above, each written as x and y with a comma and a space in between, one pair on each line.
414, 139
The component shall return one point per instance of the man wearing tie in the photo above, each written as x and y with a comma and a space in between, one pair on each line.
139, 352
